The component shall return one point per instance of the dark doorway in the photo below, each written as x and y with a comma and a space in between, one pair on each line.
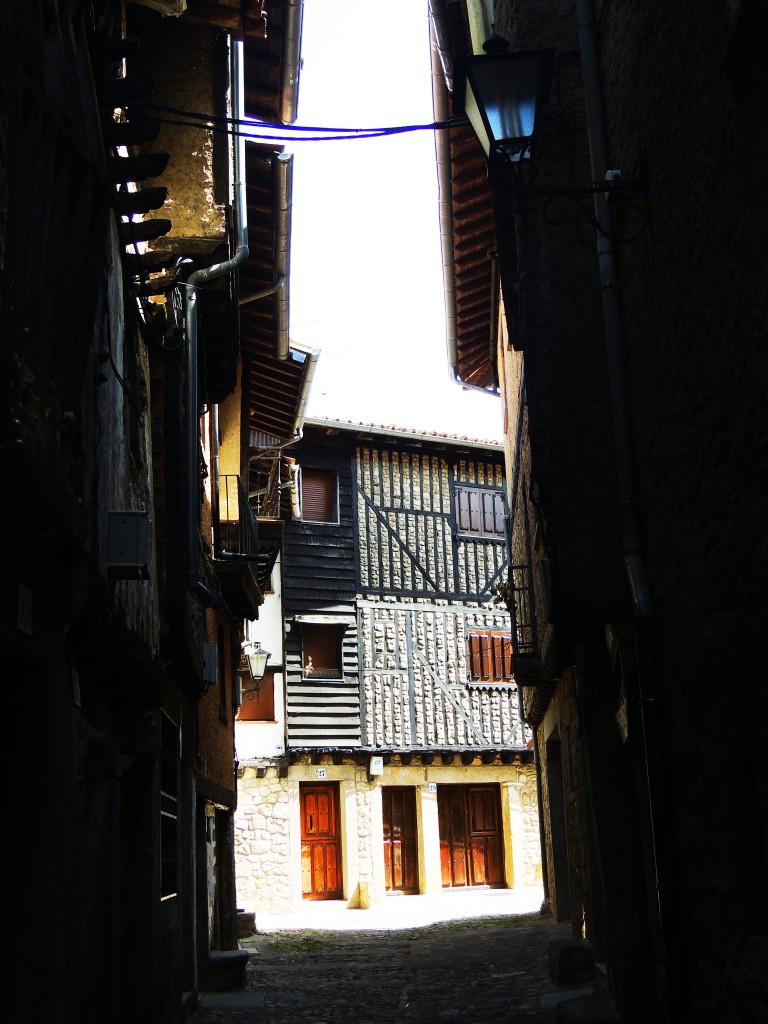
557, 829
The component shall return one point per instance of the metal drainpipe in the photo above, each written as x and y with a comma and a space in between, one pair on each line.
291, 61
653, 746
207, 596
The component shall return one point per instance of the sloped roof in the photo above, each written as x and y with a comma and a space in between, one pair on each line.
405, 433
467, 224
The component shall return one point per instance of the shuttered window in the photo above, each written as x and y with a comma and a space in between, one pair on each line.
258, 707
490, 657
321, 651
318, 496
479, 512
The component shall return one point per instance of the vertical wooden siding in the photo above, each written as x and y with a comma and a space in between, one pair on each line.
320, 575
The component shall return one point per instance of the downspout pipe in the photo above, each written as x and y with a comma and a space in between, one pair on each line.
289, 86
630, 533
207, 596
667, 880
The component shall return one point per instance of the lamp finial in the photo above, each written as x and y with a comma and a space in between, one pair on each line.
495, 43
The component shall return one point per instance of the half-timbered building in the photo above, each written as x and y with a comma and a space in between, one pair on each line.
385, 751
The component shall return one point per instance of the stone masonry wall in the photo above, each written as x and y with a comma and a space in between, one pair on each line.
263, 826
262, 851
415, 679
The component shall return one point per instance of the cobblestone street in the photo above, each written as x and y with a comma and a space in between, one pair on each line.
449, 972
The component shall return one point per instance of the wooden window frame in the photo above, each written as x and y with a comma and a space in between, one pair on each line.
316, 637
472, 523
489, 652
330, 499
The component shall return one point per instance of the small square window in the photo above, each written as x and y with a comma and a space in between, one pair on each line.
321, 651
319, 496
479, 513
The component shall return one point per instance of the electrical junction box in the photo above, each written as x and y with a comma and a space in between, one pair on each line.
210, 663
129, 545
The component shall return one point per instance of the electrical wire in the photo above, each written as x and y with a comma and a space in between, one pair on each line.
263, 129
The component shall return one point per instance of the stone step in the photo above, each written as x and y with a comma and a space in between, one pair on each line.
598, 1008
571, 961
225, 969
246, 924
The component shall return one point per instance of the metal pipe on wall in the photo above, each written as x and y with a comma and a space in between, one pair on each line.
667, 883
206, 595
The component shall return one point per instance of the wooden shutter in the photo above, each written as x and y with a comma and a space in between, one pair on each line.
318, 493
490, 657
259, 708
479, 512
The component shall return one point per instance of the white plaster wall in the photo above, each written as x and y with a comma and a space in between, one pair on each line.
255, 740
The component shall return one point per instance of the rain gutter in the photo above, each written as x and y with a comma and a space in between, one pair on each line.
289, 91
207, 596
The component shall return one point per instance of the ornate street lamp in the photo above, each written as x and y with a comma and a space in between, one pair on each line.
500, 93
256, 660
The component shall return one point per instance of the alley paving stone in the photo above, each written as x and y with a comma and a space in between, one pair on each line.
454, 972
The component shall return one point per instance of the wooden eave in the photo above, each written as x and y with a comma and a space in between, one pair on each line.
473, 241
272, 387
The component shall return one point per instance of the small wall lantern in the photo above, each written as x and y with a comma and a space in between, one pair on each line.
256, 657
500, 93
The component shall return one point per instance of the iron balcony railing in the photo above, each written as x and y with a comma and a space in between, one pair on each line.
523, 610
235, 527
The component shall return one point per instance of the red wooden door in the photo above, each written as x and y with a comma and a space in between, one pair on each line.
401, 855
471, 847
320, 841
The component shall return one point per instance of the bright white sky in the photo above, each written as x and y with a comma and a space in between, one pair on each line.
366, 271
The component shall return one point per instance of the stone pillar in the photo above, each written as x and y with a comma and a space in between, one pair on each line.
350, 847
294, 841
378, 879
513, 825
430, 875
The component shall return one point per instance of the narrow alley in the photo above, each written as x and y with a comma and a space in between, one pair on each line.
360, 970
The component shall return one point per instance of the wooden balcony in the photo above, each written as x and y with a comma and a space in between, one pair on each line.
236, 549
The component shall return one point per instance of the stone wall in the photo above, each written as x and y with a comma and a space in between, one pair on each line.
267, 828
262, 849
415, 679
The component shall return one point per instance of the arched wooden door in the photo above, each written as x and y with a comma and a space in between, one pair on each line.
321, 877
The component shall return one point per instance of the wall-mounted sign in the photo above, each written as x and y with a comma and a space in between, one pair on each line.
321, 773
377, 766
432, 787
